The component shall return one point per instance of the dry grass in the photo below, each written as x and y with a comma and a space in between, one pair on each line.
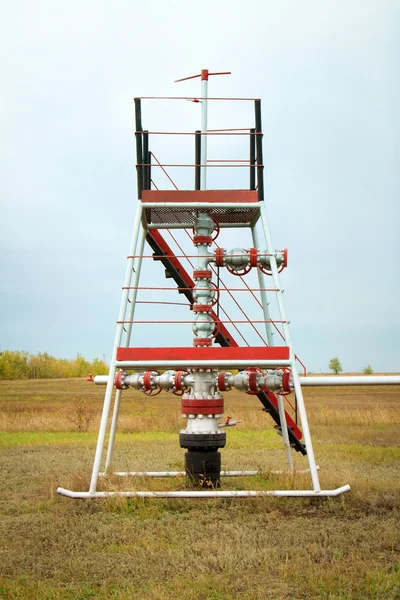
346, 548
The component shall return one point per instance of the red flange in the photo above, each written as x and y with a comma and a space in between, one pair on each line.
285, 382
221, 381
253, 383
202, 342
285, 257
118, 380
179, 388
200, 308
253, 257
286, 373
210, 406
219, 257
253, 388
148, 390
202, 239
205, 274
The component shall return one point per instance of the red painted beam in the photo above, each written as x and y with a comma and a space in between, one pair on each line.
213, 353
216, 196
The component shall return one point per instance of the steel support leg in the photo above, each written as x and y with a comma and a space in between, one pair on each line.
137, 268
117, 341
286, 333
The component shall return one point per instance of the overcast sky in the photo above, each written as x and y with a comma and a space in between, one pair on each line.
327, 73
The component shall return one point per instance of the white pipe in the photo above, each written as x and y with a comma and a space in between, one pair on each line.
264, 300
100, 379
351, 380
319, 381
204, 110
205, 364
207, 494
190, 225
117, 341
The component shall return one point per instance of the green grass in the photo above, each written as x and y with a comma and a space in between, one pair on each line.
216, 549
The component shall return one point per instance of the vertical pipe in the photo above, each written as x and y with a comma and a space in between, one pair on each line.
262, 286
197, 160
139, 148
204, 110
145, 170
252, 159
295, 375
117, 341
258, 136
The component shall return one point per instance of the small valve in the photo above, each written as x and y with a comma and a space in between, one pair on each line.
229, 422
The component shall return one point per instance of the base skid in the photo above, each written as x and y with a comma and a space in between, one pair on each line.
207, 494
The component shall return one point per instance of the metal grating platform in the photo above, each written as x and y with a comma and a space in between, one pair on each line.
166, 215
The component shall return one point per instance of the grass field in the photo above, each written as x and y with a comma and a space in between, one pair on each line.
52, 547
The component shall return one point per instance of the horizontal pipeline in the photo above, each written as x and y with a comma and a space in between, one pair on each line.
352, 380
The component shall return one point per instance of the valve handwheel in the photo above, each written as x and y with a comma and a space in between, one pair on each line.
253, 372
216, 229
178, 381
286, 374
148, 390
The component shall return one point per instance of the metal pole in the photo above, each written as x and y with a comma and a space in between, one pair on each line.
197, 160
204, 109
258, 136
145, 160
117, 341
252, 159
149, 170
295, 375
139, 146
262, 286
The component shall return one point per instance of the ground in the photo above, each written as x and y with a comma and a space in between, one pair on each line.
53, 547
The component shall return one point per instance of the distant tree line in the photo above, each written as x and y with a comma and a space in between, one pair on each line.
22, 365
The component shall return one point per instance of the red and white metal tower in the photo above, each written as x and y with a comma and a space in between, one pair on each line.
214, 362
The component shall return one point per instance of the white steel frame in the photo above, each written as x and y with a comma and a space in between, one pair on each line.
126, 312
